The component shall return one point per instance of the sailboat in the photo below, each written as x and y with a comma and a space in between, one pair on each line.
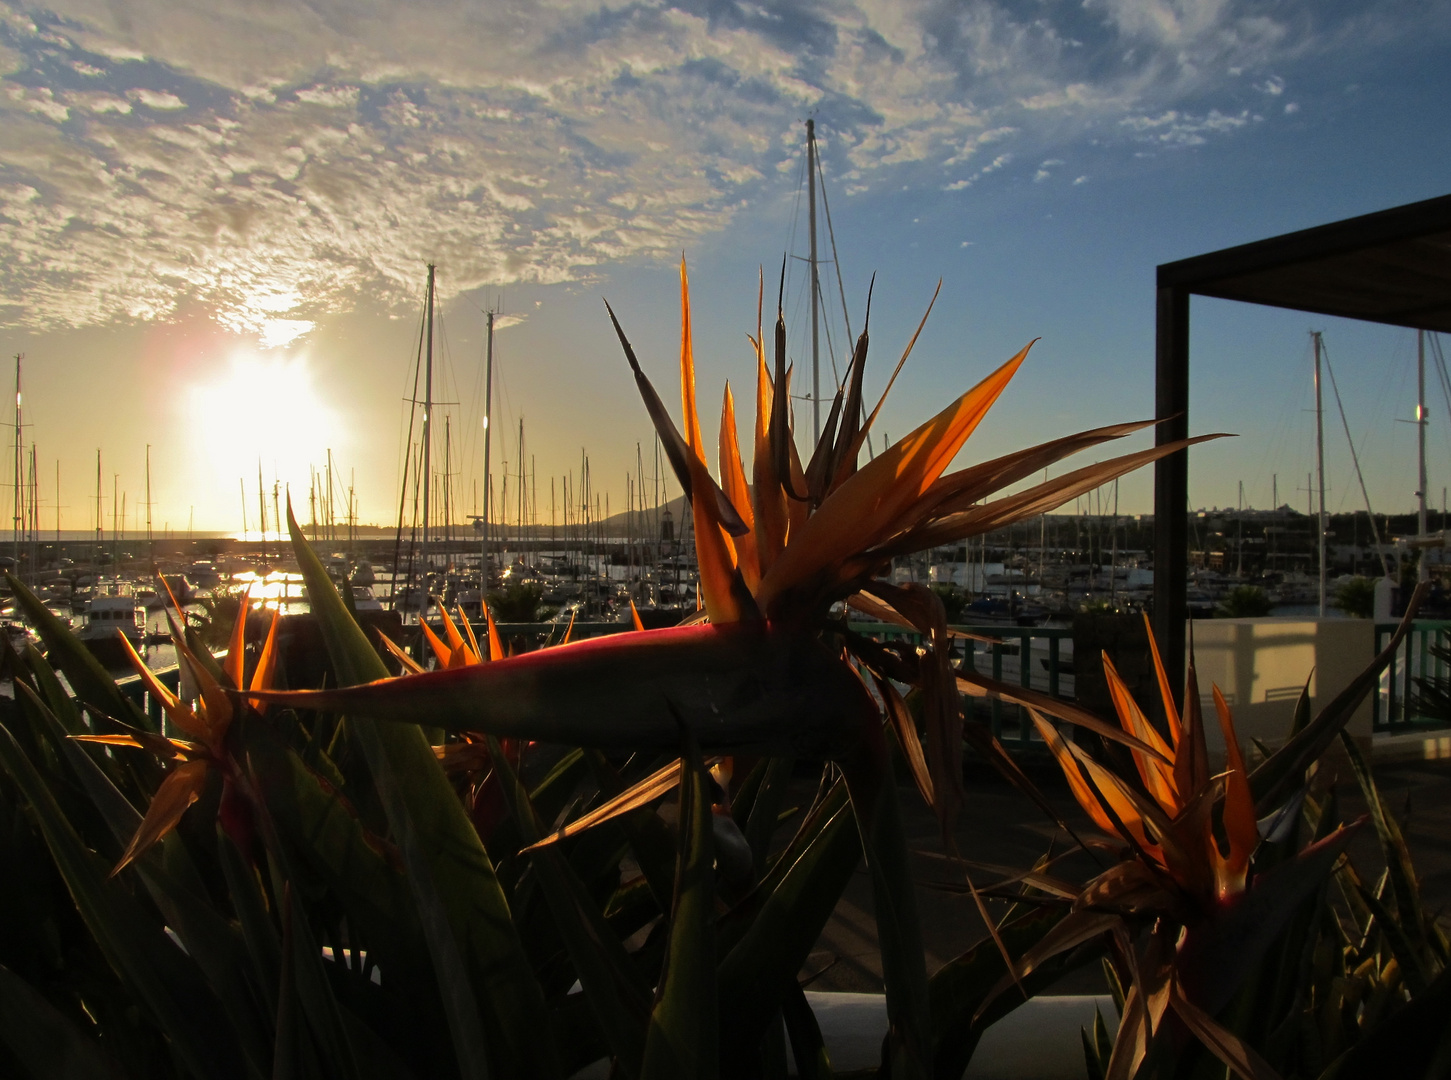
411, 594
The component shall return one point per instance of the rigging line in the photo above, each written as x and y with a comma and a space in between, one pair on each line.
474, 412
826, 326
796, 207
1439, 359
835, 261
403, 465
1355, 459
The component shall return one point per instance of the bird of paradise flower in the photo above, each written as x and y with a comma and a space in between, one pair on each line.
206, 723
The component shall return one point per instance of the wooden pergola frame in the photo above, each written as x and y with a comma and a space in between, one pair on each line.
1390, 267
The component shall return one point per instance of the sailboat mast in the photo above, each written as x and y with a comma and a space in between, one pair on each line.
150, 543
1425, 570
261, 509
1320, 465
815, 291
19, 461
427, 426
447, 484
488, 476
100, 539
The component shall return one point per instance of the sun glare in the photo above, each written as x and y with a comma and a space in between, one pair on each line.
262, 409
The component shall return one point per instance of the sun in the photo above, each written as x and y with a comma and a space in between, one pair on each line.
264, 409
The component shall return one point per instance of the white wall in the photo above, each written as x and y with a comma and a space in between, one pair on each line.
1261, 665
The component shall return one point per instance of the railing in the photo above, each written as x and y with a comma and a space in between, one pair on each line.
1002, 659
1391, 705
132, 687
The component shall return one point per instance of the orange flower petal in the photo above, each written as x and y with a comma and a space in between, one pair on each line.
180, 713
179, 790
237, 644
410, 665
1176, 727
267, 659
769, 498
455, 639
1239, 808
477, 655
866, 507
496, 647
441, 652
1158, 777
733, 483
1080, 788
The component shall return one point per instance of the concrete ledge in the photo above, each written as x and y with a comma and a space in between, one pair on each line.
1411, 746
1039, 1040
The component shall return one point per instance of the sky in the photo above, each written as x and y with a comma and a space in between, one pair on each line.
215, 222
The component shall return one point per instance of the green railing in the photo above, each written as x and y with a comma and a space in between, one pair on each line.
1392, 710
1012, 646
135, 689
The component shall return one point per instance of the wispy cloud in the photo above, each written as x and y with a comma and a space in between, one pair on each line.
279, 162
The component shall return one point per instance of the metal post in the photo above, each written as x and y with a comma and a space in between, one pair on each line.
811, 224
1320, 467
1425, 570
1171, 480
427, 442
488, 483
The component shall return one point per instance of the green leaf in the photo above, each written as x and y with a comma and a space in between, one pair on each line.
620, 1002
46, 1043
172, 882
1414, 1043
757, 973
873, 790
1219, 953
477, 955
264, 954
766, 808
90, 680
52, 693
807, 1045
1404, 888
164, 980
1281, 774
648, 836
682, 1043
958, 989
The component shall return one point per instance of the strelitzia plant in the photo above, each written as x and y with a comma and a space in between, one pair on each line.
777, 558
205, 722
1188, 916
769, 665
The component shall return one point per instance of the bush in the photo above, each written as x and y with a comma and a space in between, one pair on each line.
1245, 602
1356, 597
517, 603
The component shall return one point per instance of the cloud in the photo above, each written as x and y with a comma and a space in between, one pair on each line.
1045, 170
1174, 128
227, 153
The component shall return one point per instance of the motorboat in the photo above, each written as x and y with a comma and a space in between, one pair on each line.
107, 618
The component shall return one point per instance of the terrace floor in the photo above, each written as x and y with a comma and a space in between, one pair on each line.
1000, 826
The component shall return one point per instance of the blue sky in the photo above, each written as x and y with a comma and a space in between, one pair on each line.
214, 220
